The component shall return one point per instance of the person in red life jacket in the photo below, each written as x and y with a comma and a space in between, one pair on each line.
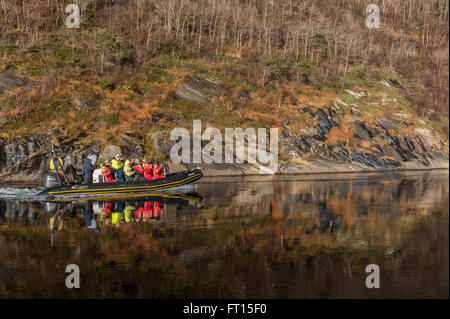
107, 172
138, 213
156, 170
106, 210
157, 210
148, 210
148, 170
138, 170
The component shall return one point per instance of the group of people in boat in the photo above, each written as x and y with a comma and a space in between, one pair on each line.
115, 170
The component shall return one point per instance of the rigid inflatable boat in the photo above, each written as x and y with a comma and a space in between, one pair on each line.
54, 188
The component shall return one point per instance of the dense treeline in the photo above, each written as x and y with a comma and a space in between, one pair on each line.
319, 39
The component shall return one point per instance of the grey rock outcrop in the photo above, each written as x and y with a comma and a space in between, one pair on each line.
85, 103
109, 152
361, 131
161, 143
194, 89
3, 157
387, 123
131, 146
423, 149
9, 80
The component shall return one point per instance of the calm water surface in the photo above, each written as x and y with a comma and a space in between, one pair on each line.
296, 237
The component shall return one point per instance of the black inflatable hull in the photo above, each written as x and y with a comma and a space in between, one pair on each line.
171, 180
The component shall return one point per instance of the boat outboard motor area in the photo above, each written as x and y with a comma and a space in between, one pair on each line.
51, 180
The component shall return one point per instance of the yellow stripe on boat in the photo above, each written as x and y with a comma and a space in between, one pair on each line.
121, 189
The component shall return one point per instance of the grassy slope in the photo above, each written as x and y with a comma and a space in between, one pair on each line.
128, 97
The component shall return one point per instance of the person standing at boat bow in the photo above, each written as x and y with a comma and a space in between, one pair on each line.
56, 165
89, 164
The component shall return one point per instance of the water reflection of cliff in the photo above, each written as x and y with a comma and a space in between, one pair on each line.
248, 239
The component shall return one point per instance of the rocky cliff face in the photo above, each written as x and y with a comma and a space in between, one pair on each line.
377, 148
337, 137
374, 146
25, 158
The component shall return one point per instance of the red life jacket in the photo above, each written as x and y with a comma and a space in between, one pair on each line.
156, 210
148, 174
107, 209
108, 175
138, 212
156, 171
139, 168
148, 210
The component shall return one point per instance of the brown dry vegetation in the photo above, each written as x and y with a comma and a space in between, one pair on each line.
131, 55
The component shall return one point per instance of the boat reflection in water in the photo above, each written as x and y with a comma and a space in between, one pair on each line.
114, 211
